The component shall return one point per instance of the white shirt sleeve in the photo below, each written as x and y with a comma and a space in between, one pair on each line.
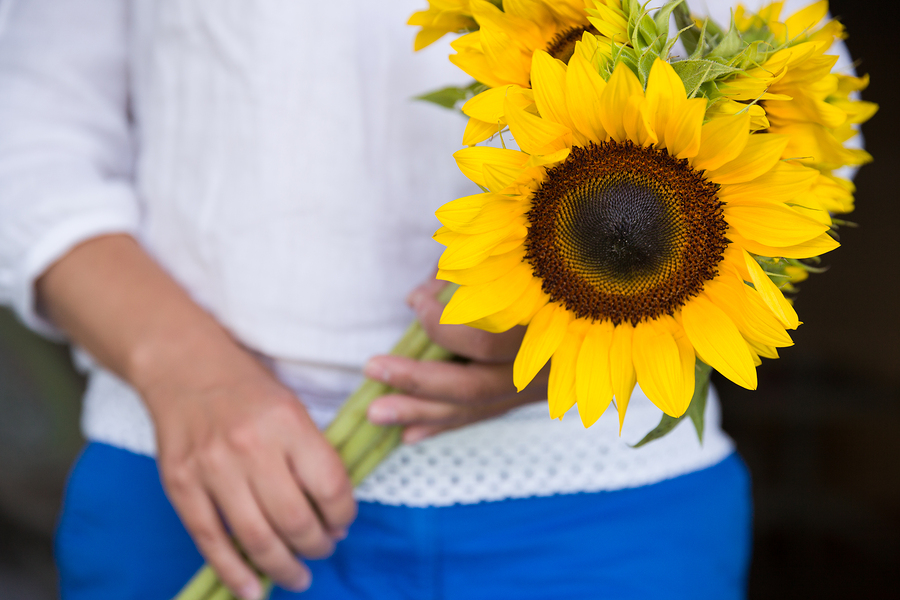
66, 151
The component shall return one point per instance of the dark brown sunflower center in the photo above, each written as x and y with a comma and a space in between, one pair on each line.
624, 233
562, 46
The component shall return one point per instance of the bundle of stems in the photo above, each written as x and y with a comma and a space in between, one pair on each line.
360, 444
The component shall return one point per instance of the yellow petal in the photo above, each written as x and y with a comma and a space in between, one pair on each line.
773, 224
473, 302
783, 183
814, 247
621, 367
762, 152
665, 95
548, 81
770, 294
561, 388
545, 333
659, 368
471, 161
536, 135
468, 250
488, 105
584, 87
684, 128
491, 268
751, 315
622, 85
521, 310
802, 21
477, 131
717, 341
637, 124
721, 141
593, 386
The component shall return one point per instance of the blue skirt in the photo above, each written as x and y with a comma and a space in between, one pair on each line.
688, 537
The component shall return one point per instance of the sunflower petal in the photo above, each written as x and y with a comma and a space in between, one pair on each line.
622, 85
593, 386
471, 161
762, 152
773, 224
545, 333
536, 135
472, 302
665, 95
490, 269
621, 367
814, 247
771, 295
561, 388
683, 131
584, 88
548, 81
468, 250
658, 365
721, 141
717, 341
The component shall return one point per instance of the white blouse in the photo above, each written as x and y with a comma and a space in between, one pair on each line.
269, 156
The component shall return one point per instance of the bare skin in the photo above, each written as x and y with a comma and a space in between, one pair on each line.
232, 440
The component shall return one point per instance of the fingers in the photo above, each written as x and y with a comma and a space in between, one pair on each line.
321, 473
461, 339
470, 383
257, 536
200, 517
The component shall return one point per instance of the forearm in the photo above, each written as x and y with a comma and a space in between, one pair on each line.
113, 299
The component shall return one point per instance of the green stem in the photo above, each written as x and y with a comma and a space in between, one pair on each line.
377, 454
201, 585
365, 437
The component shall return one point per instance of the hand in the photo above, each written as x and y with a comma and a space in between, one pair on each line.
236, 445
435, 395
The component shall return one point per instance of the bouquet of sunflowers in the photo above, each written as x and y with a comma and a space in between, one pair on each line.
650, 192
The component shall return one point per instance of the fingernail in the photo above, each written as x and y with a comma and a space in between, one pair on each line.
382, 415
251, 591
374, 369
302, 583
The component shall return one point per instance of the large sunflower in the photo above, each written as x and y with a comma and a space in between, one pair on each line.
623, 233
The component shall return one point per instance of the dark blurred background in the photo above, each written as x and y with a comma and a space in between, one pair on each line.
820, 435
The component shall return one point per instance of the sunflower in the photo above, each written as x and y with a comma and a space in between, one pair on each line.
623, 233
499, 54
800, 95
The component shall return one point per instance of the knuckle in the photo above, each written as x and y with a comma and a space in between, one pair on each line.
177, 477
256, 540
206, 537
335, 487
244, 439
297, 523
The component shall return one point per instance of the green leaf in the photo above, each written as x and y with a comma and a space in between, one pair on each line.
729, 47
666, 424
696, 72
452, 96
690, 34
695, 411
661, 18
